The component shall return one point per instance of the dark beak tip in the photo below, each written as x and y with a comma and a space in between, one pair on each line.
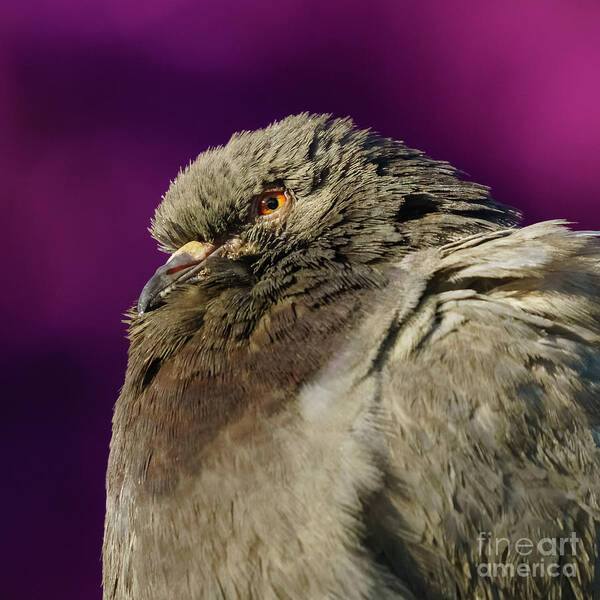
145, 299
153, 287
180, 266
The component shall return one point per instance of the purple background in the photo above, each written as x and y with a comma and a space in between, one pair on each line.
102, 101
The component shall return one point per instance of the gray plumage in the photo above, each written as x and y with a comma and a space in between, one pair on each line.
336, 397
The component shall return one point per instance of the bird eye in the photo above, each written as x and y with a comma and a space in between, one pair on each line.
271, 202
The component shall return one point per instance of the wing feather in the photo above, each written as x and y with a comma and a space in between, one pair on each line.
490, 392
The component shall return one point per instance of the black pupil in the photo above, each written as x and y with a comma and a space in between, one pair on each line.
272, 204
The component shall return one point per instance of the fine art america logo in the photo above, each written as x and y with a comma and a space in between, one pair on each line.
526, 557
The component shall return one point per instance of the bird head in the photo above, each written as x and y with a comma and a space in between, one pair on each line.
306, 195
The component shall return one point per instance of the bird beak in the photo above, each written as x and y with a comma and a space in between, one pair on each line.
182, 265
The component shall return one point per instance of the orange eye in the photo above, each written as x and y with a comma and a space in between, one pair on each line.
270, 202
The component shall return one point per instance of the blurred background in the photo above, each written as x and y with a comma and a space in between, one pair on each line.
101, 102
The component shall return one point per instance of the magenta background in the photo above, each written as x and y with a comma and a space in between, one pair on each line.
101, 102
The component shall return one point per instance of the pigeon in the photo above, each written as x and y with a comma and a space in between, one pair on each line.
356, 377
